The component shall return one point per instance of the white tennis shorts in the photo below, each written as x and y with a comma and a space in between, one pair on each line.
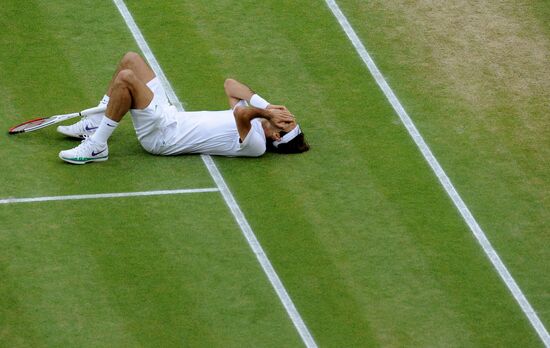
154, 124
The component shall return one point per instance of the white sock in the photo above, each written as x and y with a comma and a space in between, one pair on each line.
104, 131
104, 101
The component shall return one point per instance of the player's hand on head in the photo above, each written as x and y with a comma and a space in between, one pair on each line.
278, 107
281, 118
287, 127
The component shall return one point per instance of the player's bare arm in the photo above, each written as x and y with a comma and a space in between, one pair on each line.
237, 91
279, 119
278, 115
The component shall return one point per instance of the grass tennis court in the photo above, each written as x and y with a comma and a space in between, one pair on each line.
364, 238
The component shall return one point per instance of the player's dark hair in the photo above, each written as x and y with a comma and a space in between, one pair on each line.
296, 145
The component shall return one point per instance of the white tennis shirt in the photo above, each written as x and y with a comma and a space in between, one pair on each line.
212, 133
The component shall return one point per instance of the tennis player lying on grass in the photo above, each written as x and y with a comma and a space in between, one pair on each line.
162, 130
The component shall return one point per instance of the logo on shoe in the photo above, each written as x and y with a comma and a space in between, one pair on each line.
90, 128
97, 153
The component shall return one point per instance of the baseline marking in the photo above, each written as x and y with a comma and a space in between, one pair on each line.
106, 195
441, 175
268, 269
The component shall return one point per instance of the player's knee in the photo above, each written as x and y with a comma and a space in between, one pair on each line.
130, 59
228, 83
125, 77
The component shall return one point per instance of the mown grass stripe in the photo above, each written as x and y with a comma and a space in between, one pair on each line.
441, 175
106, 195
236, 211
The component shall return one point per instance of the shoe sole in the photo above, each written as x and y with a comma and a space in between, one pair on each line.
84, 161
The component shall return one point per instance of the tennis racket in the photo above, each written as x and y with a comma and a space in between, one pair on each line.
41, 122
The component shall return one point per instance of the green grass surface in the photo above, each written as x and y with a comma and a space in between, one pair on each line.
134, 272
365, 240
482, 104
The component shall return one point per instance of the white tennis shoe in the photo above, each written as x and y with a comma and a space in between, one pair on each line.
84, 128
87, 151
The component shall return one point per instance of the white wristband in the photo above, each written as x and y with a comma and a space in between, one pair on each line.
259, 102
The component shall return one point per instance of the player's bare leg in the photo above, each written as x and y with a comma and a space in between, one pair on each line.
87, 126
132, 61
127, 90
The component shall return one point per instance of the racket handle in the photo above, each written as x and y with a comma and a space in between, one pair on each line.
95, 110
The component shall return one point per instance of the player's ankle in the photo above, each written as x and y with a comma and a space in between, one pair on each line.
104, 130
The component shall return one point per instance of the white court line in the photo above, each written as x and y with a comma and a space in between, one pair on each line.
442, 176
106, 195
278, 286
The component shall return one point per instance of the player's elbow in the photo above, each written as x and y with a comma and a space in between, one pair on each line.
229, 86
229, 82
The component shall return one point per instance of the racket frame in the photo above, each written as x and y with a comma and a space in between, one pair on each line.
55, 119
